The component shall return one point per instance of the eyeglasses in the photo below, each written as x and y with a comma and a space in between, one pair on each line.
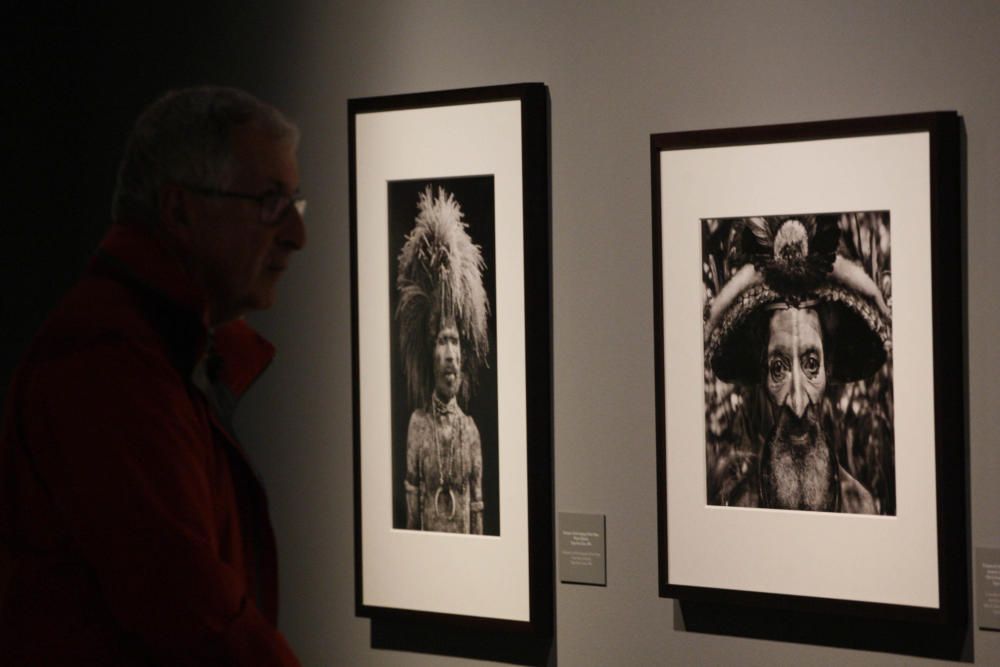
273, 205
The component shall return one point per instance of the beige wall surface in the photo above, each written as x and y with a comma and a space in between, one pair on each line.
617, 72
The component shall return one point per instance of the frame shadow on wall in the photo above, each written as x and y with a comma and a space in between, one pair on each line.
473, 643
953, 641
946, 642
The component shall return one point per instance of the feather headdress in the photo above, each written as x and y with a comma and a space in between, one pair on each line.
440, 279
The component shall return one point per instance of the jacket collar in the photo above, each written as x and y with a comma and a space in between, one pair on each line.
130, 253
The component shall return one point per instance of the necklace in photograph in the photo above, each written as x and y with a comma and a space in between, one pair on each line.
443, 483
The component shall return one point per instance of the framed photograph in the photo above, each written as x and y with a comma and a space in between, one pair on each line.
451, 321
810, 367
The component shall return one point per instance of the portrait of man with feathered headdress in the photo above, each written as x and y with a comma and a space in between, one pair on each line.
442, 309
798, 362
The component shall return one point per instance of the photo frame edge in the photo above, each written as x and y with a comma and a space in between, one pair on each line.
534, 100
943, 128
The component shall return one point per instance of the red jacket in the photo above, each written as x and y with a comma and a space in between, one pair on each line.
133, 530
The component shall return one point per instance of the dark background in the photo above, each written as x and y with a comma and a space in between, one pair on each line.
75, 78
475, 195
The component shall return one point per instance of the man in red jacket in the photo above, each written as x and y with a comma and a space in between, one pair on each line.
133, 529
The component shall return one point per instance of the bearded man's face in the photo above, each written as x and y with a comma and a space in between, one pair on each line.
447, 361
796, 372
798, 470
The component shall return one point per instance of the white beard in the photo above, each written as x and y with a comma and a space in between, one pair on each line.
798, 475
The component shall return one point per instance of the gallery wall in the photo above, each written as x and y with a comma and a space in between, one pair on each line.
616, 73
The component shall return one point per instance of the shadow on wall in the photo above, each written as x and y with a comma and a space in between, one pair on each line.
422, 637
866, 634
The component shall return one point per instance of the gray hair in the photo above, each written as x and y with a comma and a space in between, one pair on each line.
183, 137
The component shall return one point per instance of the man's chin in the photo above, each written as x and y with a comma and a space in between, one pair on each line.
262, 298
447, 391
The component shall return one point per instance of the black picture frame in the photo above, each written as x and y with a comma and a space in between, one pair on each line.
898, 163
486, 147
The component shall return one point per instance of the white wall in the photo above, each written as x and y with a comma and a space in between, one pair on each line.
616, 73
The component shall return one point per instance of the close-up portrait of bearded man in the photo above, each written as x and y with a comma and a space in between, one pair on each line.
798, 373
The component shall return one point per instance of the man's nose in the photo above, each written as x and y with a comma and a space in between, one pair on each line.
798, 400
293, 230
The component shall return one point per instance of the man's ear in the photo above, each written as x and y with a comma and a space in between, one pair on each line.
175, 211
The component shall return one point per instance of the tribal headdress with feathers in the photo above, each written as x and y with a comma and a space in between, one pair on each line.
440, 278
794, 262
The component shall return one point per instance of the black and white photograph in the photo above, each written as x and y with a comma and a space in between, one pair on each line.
807, 384
798, 362
451, 356
443, 356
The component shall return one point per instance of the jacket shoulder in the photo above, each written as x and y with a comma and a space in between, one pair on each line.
95, 312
